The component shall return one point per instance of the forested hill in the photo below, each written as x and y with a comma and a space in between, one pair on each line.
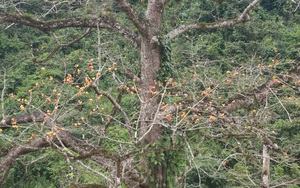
157, 93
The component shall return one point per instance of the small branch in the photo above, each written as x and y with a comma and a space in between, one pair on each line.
9, 26
75, 39
99, 50
96, 172
112, 114
142, 152
64, 44
53, 8
98, 152
157, 118
224, 160
244, 17
281, 104
298, 4
2, 94
245, 14
245, 100
284, 184
115, 104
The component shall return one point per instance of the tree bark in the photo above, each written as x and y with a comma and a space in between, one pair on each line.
150, 63
151, 60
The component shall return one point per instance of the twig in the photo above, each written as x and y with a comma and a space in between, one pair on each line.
9, 26
155, 117
281, 104
2, 95
99, 49
53, 7
96, 172
64, 44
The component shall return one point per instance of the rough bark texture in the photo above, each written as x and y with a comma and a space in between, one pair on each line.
150, 63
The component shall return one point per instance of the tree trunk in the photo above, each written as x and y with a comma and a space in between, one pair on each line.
151, 60
150, 63
149, 131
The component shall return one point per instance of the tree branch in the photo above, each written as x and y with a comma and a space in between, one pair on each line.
46, 26
116, 105
7, 122
2, 94
133, 16
245, 100
154, 150
64, 44
62, 138
7, 162
244, 17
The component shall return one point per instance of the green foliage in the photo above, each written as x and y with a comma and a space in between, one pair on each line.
9, 45
166, 69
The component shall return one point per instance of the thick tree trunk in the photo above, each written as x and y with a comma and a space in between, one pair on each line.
149, 131
150, 63
151, 59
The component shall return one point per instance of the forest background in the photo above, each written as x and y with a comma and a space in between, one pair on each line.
213, 101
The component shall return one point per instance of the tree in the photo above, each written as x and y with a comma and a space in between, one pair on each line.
143, 162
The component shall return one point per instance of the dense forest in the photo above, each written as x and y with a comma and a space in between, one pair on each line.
144, 94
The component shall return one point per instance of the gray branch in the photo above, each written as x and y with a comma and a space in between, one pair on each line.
101, 22
244, 17
133, 16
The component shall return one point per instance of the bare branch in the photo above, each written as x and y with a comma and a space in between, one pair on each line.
244, 17
243, 101
62, 138
96, 172
116, 105
2, 94
7, 162
155, 150
287, 112
64, 44
99, 50
53, 8
132, 15
102, 22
